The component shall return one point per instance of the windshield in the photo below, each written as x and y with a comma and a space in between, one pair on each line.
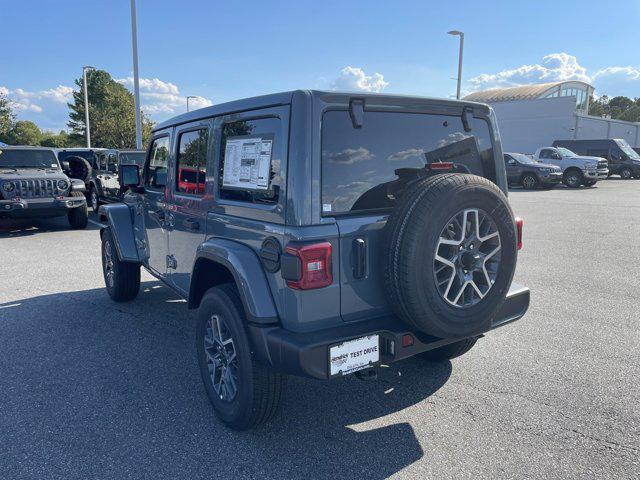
565, 152
132, 158
522, 158
626, 148
28, 159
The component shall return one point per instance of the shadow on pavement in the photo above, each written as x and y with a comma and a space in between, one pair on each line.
23, 227
94, 388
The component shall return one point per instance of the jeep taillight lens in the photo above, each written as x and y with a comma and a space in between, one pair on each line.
314, 270
519, 226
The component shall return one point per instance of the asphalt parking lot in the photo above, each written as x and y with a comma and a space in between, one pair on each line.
91, 389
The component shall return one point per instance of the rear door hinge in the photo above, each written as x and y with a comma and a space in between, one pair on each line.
171, 262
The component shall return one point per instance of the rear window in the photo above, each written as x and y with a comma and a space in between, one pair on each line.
366, 169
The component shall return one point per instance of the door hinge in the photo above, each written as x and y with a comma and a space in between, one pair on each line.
171, 262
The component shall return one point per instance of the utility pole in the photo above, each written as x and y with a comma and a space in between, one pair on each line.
461, 35
190, 96
86, 104
136, 81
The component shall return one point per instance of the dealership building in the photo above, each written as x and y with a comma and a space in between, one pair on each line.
533, 116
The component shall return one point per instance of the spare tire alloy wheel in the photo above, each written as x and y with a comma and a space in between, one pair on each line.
467, 258
222, 360
451, 255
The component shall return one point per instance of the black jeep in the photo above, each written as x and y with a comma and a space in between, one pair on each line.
33, 185
320, 234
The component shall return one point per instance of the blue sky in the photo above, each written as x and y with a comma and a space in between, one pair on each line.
223, 50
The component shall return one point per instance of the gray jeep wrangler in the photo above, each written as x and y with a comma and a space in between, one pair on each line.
34, 185
320, 234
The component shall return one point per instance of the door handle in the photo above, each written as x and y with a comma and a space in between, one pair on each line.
191, 224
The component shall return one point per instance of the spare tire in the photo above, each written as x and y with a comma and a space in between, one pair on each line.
79, 168
451, 255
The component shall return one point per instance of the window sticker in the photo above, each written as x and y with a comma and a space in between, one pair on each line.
326, 207
247, 163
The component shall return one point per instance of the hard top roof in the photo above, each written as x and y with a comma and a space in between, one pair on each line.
284, 98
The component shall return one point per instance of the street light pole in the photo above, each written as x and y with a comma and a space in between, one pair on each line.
190, 96
136, 81
461, 35
86, 104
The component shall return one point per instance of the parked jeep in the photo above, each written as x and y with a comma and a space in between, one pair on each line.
33, 185
577, 170
103, 185
524, 170
328, 233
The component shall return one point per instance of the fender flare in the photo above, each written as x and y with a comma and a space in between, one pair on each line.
247, 271
120, 222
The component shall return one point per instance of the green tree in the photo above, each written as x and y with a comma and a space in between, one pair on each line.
24, 132
7, 117
55, 140
111, 113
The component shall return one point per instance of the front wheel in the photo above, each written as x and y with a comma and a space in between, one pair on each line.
95, 199
78, 216
573, 178
450, 351
529, 181
243, 392
121, 278
626, 173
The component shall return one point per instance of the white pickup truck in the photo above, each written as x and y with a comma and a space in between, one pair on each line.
577, 170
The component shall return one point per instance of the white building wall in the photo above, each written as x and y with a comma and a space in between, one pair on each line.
526, 125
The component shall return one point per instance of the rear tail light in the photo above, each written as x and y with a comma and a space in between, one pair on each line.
305, 267
519, 226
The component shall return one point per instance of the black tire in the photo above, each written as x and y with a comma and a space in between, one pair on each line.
94, 198
450, 351
259, 389
79, 216
79, 168
573, 178
529, 181
589, 183
124, 284
626, 173
413, 232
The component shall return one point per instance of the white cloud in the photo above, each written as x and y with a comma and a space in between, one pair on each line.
26, 101
160, 98
349, 156
614, 80
402, 155
354, 79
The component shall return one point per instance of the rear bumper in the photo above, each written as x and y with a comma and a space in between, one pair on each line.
307, 354
39, 207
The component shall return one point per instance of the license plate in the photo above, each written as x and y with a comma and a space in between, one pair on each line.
354, 355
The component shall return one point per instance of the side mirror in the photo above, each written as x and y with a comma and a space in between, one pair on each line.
65, 166
129, 177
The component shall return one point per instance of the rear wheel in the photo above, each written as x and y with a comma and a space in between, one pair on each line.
573, 178
243, 392
590, 183
529, 181
78, 217
450, 351
121, 278
626, 173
